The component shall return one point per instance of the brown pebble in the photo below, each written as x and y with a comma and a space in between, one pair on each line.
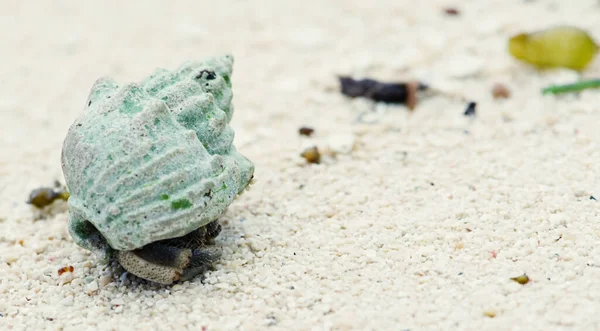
500, 91
311, 155
306, 131
451, 11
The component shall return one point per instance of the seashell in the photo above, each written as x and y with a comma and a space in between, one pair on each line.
153, 161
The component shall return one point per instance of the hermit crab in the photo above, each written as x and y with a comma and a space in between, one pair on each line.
150, 166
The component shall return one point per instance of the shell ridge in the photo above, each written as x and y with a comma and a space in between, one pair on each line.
154, 163
202, 186
168, 178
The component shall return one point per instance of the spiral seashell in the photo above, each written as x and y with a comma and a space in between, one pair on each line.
155, 160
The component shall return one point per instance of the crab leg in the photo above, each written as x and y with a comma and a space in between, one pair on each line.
200, 262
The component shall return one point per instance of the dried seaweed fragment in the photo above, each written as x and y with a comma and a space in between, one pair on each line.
399, 93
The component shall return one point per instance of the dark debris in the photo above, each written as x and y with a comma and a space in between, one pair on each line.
306, 131
44, 196
451, 11
470, 111
398, 93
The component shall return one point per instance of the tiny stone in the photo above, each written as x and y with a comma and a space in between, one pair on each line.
257, 245
66, 278
371, 254
306, 131
311, 155
500, 91
117, 301
91, 287
11, 257
76, 282
104, 280
67, 301
342, 143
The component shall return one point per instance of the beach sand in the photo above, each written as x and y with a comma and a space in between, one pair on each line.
412, 221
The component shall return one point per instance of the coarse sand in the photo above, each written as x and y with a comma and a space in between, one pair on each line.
412, 221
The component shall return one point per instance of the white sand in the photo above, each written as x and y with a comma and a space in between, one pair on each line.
399, 234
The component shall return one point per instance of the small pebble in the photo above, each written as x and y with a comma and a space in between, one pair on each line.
257, 245
306, 131
104, 280
76, 282
117, 302
311, 155
67, 301
341, 143
91, 287
67, 278
500, 91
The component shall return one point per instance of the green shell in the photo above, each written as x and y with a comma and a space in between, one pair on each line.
153, 160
